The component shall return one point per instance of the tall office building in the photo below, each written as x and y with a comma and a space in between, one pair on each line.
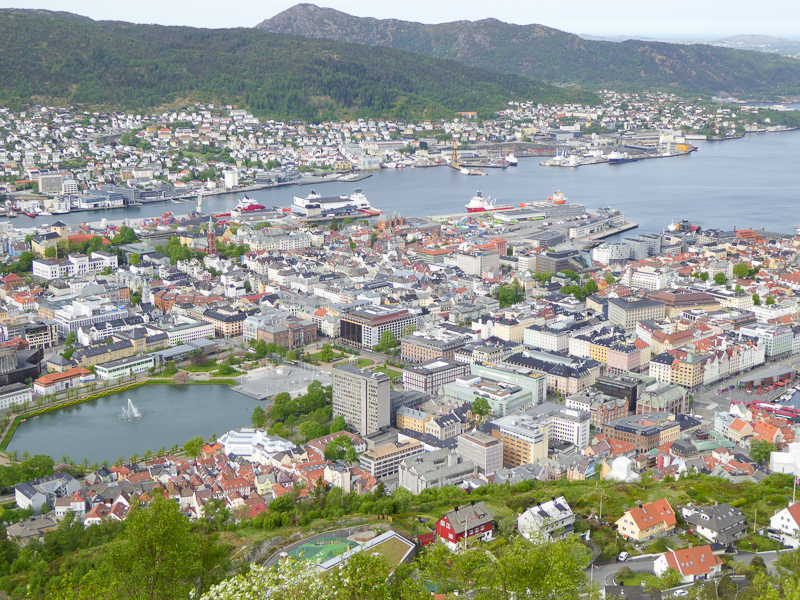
362, 398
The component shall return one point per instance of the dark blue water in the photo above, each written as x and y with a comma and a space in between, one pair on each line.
172, 414
752, 182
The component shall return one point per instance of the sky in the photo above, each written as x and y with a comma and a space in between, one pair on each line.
672, 19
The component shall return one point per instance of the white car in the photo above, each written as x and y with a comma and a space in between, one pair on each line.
623, 556
680, 593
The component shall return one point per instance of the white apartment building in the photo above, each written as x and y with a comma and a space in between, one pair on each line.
125, 367
14, 395
75, 264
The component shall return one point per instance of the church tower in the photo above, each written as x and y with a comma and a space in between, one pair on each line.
211, 239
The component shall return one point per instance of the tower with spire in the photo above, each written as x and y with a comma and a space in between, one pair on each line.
211, 239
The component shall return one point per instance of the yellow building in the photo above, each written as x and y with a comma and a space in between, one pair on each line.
647, 521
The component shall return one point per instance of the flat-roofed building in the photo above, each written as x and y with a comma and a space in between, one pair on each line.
362, 398
15, 394
485, 451
644, 432
434, 470
125, 367
364, 327
626, 313
428, 345
524, 439
384, 461
430, 376
602, 407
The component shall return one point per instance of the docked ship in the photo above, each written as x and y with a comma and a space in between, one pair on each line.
317, 208
481, 204
248, 204
618, 158
557, 198
511, 160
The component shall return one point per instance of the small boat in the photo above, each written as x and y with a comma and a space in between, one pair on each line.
45, 213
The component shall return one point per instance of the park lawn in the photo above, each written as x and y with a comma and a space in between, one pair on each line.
390, 372
365, 362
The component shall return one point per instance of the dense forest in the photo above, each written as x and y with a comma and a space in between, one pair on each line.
555, 56
59, 57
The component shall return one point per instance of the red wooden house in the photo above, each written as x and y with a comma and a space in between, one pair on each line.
473, 521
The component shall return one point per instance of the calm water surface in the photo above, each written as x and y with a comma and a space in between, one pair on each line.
752, 182
172, 414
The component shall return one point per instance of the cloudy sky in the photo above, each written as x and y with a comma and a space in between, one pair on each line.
678, 19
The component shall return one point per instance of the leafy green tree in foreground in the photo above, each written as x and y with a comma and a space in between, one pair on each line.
481, 406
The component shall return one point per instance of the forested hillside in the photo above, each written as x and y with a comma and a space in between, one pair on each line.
558, 57
69, 59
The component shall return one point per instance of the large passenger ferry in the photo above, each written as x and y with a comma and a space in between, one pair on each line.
315, 206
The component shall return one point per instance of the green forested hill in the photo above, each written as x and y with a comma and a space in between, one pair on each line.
555, 56
50, 56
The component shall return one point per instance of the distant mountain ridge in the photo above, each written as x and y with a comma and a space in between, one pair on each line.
49, 56
555, 56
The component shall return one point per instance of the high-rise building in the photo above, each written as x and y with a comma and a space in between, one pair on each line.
362, 398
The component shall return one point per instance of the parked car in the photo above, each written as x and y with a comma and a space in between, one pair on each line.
680, 593
623, 556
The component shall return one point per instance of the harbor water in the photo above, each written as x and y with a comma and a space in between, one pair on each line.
750, 182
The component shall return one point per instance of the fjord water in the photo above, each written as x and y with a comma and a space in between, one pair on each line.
171, 415
750, 182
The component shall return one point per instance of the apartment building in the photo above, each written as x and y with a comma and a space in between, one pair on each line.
523, 438
626, 313
430, 376
384, 461
364, 327
644, 432
74, 265
482, 450
14, 394
601, 407
362, 398
429, 345
125, 367
414, 420
434, 470
564, 424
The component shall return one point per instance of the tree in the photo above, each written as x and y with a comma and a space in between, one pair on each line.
336, 449
70, 339
738, 289
703, 276
756, 300
769, 301
720, 279
159, 557
134, 259
50, 252
387, 342
480, 406
760, 450
258, 418
610, 278
741, 270
338, 424
193, 446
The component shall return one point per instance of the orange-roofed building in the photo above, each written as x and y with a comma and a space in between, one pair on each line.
55, 382
691, 563
647, 521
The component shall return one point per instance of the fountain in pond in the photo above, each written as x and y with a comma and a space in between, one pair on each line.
130, 412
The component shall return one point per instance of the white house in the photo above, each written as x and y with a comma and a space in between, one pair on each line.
547, 522
787, 523
692, 563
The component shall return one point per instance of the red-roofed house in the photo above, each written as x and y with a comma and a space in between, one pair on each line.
691, 563
787, 522
647, 521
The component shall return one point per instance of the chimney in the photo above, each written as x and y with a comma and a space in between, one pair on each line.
456, 509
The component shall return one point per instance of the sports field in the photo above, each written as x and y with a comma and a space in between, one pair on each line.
322, 549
